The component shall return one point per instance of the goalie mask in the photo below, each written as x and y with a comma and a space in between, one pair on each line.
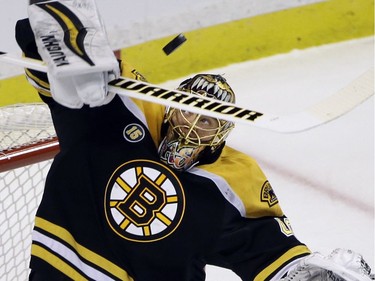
191, 138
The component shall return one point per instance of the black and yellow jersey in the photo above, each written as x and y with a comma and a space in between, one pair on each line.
111, 210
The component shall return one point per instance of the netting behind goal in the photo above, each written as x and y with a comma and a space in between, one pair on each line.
27, 143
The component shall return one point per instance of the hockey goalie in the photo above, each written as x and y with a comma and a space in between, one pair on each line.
146, 193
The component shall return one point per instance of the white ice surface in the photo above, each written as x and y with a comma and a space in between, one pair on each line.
324, 177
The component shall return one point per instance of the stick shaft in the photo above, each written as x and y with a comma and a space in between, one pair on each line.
326, 110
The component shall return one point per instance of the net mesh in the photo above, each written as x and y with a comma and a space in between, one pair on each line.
21, 188
23, 124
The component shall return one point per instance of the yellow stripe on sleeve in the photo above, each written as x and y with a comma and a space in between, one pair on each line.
56, 262
87, 254
41, 86
277, 264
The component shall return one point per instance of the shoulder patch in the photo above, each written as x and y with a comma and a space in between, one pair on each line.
268, 195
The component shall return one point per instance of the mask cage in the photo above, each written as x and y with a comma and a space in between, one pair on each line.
190, 133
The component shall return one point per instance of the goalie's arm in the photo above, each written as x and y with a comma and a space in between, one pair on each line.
26, 41
70, 124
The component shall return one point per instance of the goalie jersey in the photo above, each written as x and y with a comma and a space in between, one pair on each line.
111, 210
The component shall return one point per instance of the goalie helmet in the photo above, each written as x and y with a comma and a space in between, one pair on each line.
189, 138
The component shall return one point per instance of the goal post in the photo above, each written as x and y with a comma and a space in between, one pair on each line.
28, 142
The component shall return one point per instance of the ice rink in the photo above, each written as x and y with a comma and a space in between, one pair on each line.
324, 177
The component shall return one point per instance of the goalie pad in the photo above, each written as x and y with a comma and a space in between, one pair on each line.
72, 41
340, 265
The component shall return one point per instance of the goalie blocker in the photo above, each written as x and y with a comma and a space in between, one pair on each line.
71, 39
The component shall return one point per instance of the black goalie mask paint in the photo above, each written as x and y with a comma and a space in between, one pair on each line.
190, 136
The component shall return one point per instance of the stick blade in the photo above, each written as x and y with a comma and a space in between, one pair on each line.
331, 108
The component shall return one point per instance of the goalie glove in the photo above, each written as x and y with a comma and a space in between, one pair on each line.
71, 39
340, 265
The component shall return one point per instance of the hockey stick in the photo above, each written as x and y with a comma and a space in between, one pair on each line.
328, 109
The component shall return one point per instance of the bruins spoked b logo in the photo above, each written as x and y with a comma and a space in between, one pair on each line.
144, 201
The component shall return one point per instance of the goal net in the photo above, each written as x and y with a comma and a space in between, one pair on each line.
27, 144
